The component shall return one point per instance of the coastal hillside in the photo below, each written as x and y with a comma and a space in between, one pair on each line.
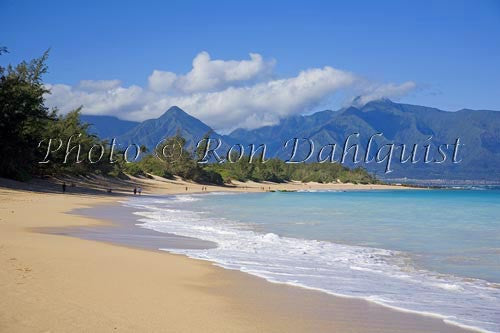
478, 132
173, 122
107, 127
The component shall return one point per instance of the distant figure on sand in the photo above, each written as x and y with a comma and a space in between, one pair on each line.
186, 188
139, 190
64, 187
135, 190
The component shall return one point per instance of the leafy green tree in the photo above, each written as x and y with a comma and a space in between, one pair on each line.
151, 164
23, 116
69, 148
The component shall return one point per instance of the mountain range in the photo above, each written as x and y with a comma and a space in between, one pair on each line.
387, 122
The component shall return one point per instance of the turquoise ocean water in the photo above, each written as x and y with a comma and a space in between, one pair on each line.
435, 252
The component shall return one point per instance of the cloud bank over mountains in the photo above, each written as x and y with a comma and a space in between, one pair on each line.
225, 94
212, 75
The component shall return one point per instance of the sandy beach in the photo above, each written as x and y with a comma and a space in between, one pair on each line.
54, 283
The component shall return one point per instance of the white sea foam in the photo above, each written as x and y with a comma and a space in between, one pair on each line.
320, 190
378, 275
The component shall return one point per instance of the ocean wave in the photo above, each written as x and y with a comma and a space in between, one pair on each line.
378, 275
320, 190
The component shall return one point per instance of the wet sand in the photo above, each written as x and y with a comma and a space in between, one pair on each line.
122, 230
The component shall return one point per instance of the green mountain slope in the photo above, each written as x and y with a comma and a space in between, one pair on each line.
477, 130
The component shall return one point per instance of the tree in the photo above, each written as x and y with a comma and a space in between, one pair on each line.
85, 153
23, 116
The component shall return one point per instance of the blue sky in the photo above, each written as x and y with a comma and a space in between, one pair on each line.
449, 49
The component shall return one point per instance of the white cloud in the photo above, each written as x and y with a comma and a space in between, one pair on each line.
115, 101
96, 85
223, 94
161, 81
209, 75
374, 92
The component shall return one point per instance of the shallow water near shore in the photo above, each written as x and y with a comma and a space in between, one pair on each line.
123, 231
433, 252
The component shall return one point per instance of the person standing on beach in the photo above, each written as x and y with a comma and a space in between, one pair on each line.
64, 187
135, 190
139, 190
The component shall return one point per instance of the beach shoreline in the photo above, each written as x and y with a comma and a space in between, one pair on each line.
50, 277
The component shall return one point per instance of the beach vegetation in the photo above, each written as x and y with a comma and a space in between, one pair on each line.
38, 141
